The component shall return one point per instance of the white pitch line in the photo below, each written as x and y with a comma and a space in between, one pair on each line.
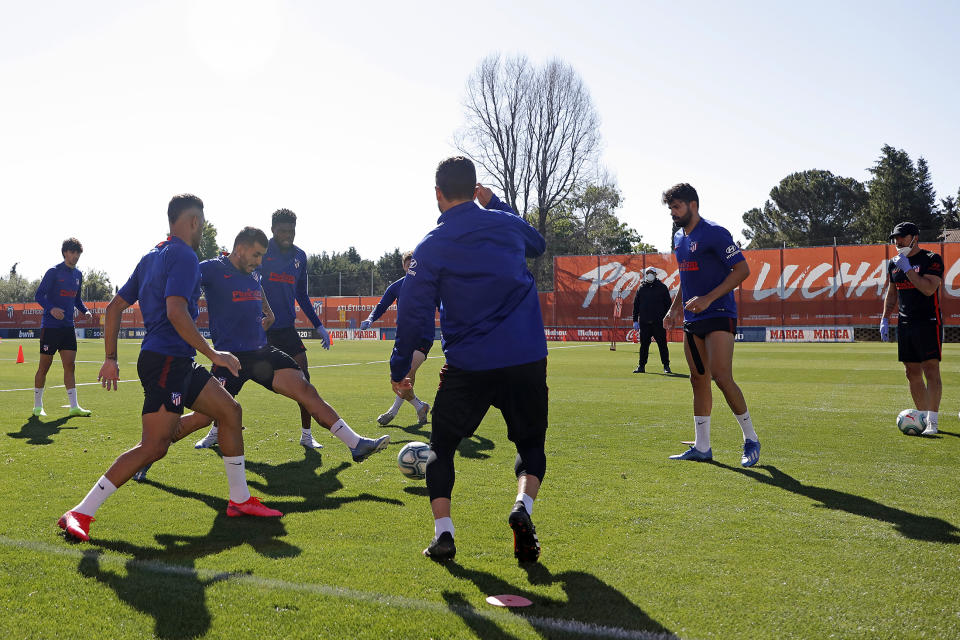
60, 386
355, 364
555, 624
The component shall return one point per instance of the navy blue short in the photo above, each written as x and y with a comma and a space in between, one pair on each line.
258, 366
53, 339
701, 328
169, 381
286, 340
918, 342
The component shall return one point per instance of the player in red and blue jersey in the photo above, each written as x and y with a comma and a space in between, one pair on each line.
167, 284
419, 355
711, 267
239, 314
59, 294
284, 282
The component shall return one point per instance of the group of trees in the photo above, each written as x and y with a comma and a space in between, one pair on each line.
816, 207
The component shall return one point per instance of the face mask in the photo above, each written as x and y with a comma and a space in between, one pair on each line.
904, 250
650, 277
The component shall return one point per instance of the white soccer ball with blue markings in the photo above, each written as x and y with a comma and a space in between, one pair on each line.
911, 422
413, 459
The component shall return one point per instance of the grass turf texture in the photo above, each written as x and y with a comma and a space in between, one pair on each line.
846, 528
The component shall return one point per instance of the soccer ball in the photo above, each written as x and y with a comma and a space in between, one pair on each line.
911, 422
413, 459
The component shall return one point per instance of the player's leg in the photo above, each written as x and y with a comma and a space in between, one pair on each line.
158, 428
698, 360
934, 385
522, 397
197, 420
421, 407
459, 407
193, 421
40, 380
918, 389
291, 382
719, 346
215, 401
69, 360
305, 415
645, 336
660, 335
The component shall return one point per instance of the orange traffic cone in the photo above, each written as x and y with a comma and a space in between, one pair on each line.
20, 355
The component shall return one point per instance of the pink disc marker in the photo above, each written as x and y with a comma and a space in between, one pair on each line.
507, 600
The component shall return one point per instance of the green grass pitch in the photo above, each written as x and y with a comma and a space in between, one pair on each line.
845, 529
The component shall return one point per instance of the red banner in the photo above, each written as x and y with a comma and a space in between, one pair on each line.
804, 286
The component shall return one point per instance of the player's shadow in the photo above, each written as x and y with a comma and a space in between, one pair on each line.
474, 447
588, 600
949, 433
910, 525
163, 581
35, 431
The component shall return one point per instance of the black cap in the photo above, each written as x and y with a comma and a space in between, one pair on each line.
905, 229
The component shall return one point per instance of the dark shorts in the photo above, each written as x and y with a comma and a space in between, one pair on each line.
701, 328
169, 381
287, 340
258, 366
519, 392
918, 342
53, 339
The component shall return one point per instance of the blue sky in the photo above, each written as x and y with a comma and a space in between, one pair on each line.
341, 112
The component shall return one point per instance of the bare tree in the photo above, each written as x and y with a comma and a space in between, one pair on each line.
533, 131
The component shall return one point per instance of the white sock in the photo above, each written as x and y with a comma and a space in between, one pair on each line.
416, 402
307, 432
102, 490
527, 502
932, 418
237, 478
746, 424
702, 439
397, 403
72, 394
38, 397
442, 524
347, 436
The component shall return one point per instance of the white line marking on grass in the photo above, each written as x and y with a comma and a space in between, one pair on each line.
60, 386
555, 624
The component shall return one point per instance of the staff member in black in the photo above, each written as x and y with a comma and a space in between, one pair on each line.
913, 285
650, 304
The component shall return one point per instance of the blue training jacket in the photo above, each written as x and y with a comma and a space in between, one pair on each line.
474, 263
60, 287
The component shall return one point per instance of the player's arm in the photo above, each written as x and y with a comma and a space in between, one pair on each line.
303, 299
109, 374
738, 273
268, 317
42, 296
889, 298
489, 200
388, 298
674, 311
926, 284
78, 303
179, 317
420, 293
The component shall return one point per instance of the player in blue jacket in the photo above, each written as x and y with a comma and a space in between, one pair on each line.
474, 263
239, 315
166, 282
419, 355
284, 283
59, 294
711, 267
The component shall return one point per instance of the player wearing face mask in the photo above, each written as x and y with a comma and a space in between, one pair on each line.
913, 287
650, 304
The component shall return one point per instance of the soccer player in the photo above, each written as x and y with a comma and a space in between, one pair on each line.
474, 263
419, 355
239, 314
913, 285
650, 303
285, 284
167, 284
711, 267
58, 294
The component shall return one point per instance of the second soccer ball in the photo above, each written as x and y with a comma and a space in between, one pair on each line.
413, 459
911, 422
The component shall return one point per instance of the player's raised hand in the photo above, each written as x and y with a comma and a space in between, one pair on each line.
109, 374
226, 360
324, 337
57, 313
400, 388
484, 195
